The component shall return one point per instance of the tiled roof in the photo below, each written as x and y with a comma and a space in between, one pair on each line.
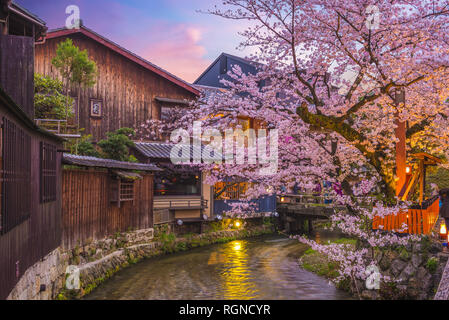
106, 163
155, 150
27, 12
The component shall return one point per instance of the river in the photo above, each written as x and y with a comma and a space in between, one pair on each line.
260, 268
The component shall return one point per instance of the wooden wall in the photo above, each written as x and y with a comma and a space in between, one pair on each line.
128, 90
32, 240
17, 70
88, 214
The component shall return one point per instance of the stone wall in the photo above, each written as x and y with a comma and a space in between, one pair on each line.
46, 279
416, 268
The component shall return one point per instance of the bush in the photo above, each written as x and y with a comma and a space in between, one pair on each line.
85, 147
117, 145
432, 264
49, 99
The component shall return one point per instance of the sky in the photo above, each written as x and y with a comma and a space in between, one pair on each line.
170, 33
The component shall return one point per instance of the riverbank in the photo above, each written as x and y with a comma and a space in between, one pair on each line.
93, 274
416, 270
255, 268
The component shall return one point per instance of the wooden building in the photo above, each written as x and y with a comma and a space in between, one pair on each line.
101, 197
181, 198
209, 83
30, 170
129, 89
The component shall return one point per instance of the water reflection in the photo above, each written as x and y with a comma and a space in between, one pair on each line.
264, 268
236, 273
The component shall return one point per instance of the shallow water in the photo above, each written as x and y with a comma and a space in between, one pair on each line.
260, 268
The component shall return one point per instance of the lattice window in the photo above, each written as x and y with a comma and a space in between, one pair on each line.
121, 190
15, 176
126, 190
48, 168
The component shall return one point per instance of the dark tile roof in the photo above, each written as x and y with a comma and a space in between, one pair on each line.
27, 12
245, 61
106, 163
156, 150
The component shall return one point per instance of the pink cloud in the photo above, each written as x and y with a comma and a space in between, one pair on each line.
178, 50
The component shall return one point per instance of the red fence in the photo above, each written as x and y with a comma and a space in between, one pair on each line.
417, 221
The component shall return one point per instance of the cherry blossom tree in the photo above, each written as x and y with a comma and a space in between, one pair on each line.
331, 75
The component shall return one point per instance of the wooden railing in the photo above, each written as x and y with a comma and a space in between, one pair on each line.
59, 127
314, 198
417, 221
167, 202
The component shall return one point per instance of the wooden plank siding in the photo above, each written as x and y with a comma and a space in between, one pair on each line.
128, 90
30, 241
17, 71
88, 214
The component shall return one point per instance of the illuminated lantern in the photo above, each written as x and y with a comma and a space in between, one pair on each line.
443, 231
282, 199
408, 170
237, 224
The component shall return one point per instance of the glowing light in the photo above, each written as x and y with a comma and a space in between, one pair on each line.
237, 224
237, 246
443, 230
408, 170
282, 199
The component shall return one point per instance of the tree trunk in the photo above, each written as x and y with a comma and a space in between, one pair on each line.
346, 131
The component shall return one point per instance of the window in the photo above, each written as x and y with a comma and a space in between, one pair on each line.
15, 176
177, 182
126, 190
48, 172
121, 190
230, 191
96, 108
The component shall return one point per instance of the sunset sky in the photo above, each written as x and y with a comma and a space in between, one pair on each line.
169, 33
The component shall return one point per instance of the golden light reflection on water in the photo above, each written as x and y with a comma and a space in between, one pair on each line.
236, 274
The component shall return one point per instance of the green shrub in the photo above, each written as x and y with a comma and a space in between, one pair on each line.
432, 264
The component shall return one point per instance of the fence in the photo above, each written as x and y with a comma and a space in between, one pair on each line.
87, 210
417, 221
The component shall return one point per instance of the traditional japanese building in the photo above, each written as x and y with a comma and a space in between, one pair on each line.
181, 197
129, 89
30, 157
209, 83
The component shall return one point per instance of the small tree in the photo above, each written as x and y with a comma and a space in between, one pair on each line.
117, 145
75, 68
85, 147
49, 99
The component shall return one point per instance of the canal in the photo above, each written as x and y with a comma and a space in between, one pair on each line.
260, 268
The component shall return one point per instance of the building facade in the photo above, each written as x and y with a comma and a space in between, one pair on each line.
129, 89
30, 158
